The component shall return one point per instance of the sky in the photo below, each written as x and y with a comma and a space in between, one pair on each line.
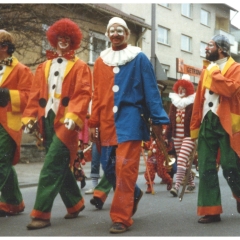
235, 17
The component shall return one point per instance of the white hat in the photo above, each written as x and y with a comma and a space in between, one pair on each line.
119, 21
186, 77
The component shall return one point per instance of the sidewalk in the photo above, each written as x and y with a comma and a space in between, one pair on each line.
28, 173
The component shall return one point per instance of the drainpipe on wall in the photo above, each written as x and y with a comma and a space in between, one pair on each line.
153, 55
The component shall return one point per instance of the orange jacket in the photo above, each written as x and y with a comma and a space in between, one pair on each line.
133, 93
74, 100
225, 83
18, 79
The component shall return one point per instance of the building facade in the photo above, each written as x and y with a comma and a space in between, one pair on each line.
173, 36
181, 34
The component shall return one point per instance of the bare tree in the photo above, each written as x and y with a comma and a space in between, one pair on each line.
27, 21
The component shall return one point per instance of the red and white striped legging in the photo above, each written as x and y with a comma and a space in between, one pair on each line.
183, 147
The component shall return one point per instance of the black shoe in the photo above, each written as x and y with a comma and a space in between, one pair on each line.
210, 218
118, 227
9, 214
75, 214
83, 182
136, 201
97, 202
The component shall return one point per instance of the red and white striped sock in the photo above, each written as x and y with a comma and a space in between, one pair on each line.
179, 177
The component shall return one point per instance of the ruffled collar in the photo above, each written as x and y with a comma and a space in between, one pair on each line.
181, 103
121, 57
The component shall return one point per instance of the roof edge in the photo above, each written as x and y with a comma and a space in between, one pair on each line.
118, 13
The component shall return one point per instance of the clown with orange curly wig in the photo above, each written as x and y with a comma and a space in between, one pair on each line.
59, 101
179, 129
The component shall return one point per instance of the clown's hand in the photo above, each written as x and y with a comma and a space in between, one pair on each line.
212, 65
69, 124
30, 126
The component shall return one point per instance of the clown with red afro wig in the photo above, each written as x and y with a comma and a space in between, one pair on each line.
64, 28
179, 130
185, 83
184, 93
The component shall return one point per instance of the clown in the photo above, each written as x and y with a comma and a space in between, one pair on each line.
216, 124
15, 83
156, 164
125, 89
179, 129
59, 101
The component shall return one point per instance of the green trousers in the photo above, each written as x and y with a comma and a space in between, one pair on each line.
56, 177
11, 200
102, 189
213, 137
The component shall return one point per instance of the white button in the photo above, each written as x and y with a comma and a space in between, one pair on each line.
115, 88
116, 69
115, 109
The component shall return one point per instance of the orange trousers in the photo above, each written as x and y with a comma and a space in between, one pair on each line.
127, 166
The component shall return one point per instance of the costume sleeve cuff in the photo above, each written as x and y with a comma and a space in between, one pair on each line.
75, 118
194, 133
93, 124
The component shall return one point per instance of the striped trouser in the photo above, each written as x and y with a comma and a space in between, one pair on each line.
183, 148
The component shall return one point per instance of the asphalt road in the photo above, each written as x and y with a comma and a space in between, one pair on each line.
158, 214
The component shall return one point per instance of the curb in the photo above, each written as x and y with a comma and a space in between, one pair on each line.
26, 185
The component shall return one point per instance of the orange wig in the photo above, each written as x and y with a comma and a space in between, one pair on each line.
64, 28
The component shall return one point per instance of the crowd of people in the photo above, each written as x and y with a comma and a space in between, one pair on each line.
126, 118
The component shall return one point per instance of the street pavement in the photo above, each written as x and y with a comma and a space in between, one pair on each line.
158, 215
28, 173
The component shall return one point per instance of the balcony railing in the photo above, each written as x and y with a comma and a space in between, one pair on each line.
232, 39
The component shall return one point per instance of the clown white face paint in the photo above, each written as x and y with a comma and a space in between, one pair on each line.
181, 92
119, 30
63, 44
117, 34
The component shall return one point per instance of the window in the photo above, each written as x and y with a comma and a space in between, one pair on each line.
186, 43
166, 69
187, 9
98, 42
45, 44
202, 49
205, 17
163, 35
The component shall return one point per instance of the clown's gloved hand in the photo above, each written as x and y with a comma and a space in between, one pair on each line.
30, 127
212, 65
26, 130
4, 97
69, 124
